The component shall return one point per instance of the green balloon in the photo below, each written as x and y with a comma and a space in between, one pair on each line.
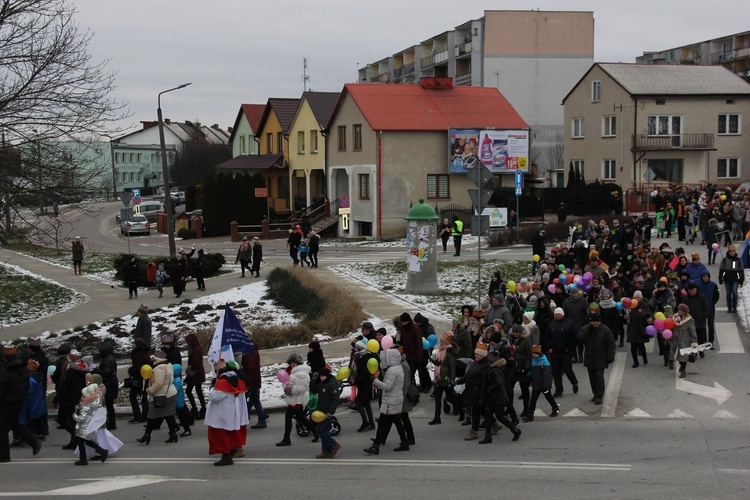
372, 365
561, 267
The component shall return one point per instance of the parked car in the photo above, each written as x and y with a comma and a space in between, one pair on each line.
147, 208
180, 196
162, 199
138, 224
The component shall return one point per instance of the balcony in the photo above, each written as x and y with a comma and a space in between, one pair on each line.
463, 78
408, 68
681, 142
436, 58
463, 49
723, 56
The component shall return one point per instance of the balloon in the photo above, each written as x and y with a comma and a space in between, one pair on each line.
659, 324
344, 372
561, 267
432, 339
551, 288
556, 281
426, 344
51, 369
715, 246
586, 288
536, 258
633, 303
512, 286
588, 276
619, 306
723, 197
626, 302
317, 416
651, 330
282, 376
146, 372
563, 279
660, 315
567, 270
577, 279
716, 250
372, 365
669, 324
373, 345
667, 334
697, 230
386, 342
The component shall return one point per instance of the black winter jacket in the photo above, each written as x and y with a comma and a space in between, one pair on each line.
563, 336
476, 383
14, 382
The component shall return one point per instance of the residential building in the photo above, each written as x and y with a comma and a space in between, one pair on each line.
731, 51
683, 122
307, 147
388, 146
137, 156
243, 138
271, 160
533, 57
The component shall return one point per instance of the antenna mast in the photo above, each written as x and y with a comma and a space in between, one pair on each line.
305, 76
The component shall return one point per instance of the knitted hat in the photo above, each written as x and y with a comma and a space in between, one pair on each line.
594, 318
159, 354
167, 339
536, 349
481, 349
559, 310
255, 238
361, 345
143, 308
529, 315
446, 338
517, 329
232, 365
35, 342
637, 294
404, 317
324, 372
367, 325
477, 314
696, 256
532, 301
74, 355
683, 308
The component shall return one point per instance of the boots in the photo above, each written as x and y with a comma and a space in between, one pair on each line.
446, 407
402, 447
496, 427
529, 416
226, 459
284, 442
487, 438
471, 436
172, 438
436, 420
645, 359
461, 415
374, 449
516, 433
146, 439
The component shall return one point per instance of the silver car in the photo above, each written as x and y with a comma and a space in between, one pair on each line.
138, 224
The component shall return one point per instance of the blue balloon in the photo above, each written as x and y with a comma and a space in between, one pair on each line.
563, 279
433, 340
619, 306
426, 344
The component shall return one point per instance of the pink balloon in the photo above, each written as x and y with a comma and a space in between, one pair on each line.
551, 288
715, 246
283, 376
659, 324
667, 334
386, 342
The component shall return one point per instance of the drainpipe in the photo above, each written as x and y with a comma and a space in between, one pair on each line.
635, 134
379, 181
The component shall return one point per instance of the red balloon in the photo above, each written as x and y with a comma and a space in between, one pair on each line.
555, 281
669, 324
626, 302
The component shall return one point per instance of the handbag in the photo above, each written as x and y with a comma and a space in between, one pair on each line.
160, 401
692, 357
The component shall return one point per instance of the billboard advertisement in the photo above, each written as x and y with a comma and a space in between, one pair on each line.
502, 151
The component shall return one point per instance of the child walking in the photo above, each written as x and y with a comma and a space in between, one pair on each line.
90, 422
541, 383
161, 277
186, 418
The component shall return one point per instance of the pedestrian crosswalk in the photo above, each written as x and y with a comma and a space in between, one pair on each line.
637, 413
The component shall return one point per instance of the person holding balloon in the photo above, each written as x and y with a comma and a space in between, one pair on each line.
326, 389
296, 380
365, 365
139, 357
392, 401
712, 240
161, 385
662, 302
683, 336
639, 316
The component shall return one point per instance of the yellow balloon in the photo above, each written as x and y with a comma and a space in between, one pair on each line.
146, 372
372, 365
317, 416
536, 258
344, 373
660, 315
373, 345
723, 197
512, 286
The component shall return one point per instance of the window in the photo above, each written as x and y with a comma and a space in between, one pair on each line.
341, 145
661, 102
609, 126
242, 145
132, 157
301, 142
313, 141
138, 178
132, 176
438, 187
596, 91
357, 137
117, 157
609, 169
123, 177
269, 143
664, 125
364, 186
728, 168
578, 167
280, 139
729, 124
578, 128
140, 157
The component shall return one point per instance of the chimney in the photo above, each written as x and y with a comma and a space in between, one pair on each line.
167, 121
215, 126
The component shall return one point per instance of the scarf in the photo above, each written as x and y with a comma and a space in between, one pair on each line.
607, 303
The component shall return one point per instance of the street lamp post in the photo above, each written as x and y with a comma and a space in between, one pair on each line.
165, 171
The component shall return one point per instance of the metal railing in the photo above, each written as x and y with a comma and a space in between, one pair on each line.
685, 142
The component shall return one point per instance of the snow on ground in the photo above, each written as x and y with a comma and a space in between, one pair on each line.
743, 302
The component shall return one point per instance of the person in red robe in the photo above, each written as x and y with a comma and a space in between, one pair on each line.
226, 414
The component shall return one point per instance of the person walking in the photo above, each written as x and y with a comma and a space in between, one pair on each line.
257, 257
178, 275
196, 375
699, 309
304, 249
732, 276
107, 370
142, 328
160, 278
199, 263
362, 379
244, 256
598, 352
683, 336
638, 319
163, 395
475, 390
251, 367
710, 291
457, 231
297, 397
562, 342
326, 389
392, 400
444, 362
496, 403
92, 400
69, 389
132, 273
445, 233
541, 383
314, 247
14, 384
226, 414
140, 356
292, 244
77, 255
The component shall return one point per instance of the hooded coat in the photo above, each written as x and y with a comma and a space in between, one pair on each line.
299, 378
392, 384
196, 372
476, 382
72, 383
683, 334
599, 346
638, 322
362, 376
108, 369
496, 391
139, 357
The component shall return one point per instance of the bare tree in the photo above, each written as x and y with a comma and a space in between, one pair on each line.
554, 154
196, 160
51, 96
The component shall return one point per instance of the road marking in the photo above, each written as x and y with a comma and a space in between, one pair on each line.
358, 462
718, 392
576, 412
637, 413
729, 338
97, 486
724, 414
734, 471
612, 393
679, 414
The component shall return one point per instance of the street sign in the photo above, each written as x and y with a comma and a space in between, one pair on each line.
478, 221
261, 192
136, 193
519, 182
649, 175
136, 200
125, 197
344, 202
484, 194
345, 211
480, 175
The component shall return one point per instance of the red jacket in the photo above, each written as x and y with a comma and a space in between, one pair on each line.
411, 340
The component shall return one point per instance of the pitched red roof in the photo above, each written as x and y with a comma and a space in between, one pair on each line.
254, 113
405, 107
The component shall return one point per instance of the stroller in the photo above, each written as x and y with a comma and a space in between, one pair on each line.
312, 405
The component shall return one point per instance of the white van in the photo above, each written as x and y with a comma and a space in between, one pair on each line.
148, 208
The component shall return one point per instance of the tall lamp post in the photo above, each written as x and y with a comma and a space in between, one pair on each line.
165, 171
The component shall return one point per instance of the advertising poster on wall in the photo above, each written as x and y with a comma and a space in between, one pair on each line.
502, 151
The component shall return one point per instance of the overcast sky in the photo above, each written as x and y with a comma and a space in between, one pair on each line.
245, 51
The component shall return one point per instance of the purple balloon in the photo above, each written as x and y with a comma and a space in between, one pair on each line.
651, 330
283, 376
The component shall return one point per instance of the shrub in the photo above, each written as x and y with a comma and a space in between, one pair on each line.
285, 289
555, 232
